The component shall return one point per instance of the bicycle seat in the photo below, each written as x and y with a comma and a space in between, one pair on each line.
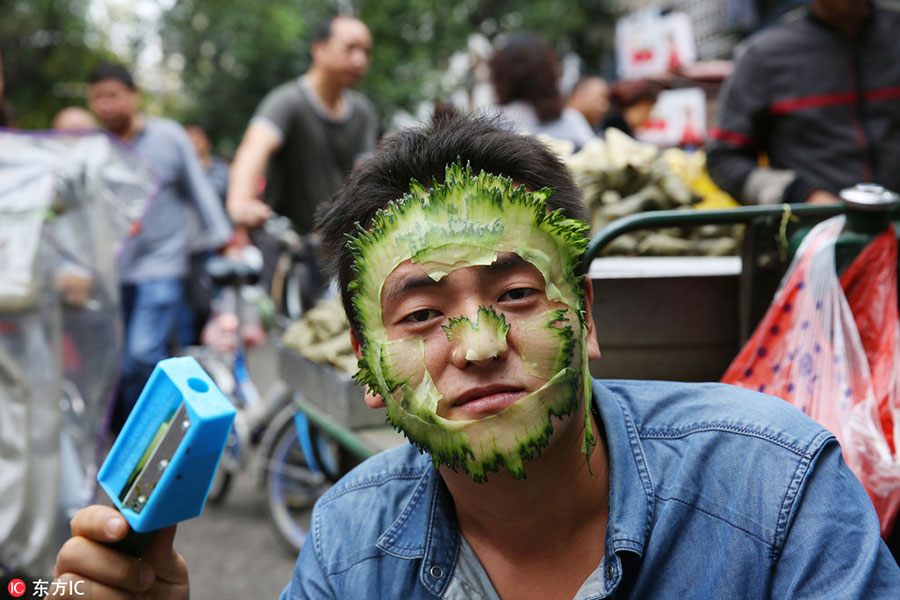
225, 271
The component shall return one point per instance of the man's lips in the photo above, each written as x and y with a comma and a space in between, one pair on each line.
488, 399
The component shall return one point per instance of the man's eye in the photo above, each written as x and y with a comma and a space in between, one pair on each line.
420, 316
518, 294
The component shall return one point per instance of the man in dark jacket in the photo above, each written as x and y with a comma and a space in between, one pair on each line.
818, 94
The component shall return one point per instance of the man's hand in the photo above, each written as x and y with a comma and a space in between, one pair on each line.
248, 212
160, 574
822, 197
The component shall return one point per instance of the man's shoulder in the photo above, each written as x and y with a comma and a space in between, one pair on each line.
288, 89
694, 439
364, 504
795, 33
395, 467
285, 96
665, 409
163, 127
165, 142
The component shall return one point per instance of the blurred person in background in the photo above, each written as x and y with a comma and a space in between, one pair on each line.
819, 95
154, 261
631, 103
216, 168
74, 118
198, 288
308, 133
525, 74
306, 136
590, 97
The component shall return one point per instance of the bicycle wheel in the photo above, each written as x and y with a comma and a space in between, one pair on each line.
293, 291
292, 486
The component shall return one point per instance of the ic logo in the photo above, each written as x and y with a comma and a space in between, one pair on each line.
16, 588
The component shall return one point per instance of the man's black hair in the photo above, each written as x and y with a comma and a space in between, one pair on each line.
323, 31
109, 70
422, 153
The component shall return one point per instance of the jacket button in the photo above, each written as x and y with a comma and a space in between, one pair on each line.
436, 572
610, 571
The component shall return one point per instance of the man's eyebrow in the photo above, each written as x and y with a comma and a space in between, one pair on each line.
414, 281
408, 283
505, 263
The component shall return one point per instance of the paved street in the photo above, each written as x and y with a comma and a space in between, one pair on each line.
232, 550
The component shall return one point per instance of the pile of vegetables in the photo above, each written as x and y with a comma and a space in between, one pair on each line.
322, 335
620, 176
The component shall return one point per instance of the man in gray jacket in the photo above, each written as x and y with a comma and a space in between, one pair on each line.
153, 262
819, 94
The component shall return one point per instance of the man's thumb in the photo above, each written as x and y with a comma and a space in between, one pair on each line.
163, 559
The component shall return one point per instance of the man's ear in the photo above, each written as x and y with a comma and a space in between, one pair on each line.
593, 348
372, 400
315, 49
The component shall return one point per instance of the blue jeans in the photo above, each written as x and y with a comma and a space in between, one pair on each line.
149, 311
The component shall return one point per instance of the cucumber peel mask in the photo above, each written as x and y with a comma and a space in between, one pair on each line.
468, 221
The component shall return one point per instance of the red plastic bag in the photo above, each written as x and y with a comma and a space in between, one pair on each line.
831, 347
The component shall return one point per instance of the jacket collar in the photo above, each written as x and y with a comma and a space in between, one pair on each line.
631, 496
426, 527
864, 28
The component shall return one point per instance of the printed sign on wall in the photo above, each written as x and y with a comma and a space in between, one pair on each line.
649, 43
678, 119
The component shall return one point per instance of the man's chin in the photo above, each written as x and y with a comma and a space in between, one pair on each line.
117, 126
350, 79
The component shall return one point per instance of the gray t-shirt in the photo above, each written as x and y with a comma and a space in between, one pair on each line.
317, 150
161, 248
470, 581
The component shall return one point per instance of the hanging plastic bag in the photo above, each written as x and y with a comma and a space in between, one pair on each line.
831, 347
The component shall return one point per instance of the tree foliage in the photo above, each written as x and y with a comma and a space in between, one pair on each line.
415, 38
227, 54
234, 51
48, 50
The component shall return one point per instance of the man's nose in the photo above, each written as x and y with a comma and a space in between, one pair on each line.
478, 342
360, 59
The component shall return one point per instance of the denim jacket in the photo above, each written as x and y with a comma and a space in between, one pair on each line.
715, 492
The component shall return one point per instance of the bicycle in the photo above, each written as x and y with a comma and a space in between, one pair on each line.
291, 274
228, 368
314, 441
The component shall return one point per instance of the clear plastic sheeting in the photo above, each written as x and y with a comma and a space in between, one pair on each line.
67, 203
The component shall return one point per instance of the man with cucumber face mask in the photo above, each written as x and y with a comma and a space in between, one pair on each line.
473, 319
527, 478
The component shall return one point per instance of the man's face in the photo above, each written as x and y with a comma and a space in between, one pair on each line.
346, 53
596, 100
472, 388
199, 140
838, 12
472, 321
114, 104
